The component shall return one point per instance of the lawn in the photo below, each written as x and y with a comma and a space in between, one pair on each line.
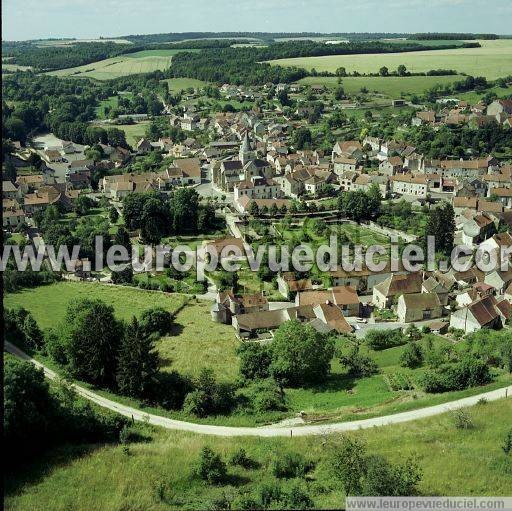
492, 60
393, 87
158, 475
48, 303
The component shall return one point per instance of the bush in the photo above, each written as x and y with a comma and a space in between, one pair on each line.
412, 356
400, 381
507, 444
241, 459
267, 396
359, 365
462, 420
210, 467
254, 360
468, 372
290, 465
384, 339
156, 320
133, 433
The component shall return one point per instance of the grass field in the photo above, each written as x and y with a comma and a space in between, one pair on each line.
492, 60
198, 342
393, 87
133, 132
158, 475
179, 84
124, 65
48, 303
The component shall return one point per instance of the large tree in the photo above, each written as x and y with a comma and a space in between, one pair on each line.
300, 355
441, 225
91, 337
137, 362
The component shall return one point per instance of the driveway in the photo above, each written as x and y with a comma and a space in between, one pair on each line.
267, 431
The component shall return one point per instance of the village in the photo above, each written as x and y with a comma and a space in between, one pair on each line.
256, 176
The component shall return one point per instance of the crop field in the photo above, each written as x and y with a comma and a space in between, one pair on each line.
124, 65
492, 60
393, 87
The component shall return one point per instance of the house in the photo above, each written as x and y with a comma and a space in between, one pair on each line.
433, 285
243, 204
52, 156
257, 188
10, 190
227, 305
477, 291
462, 204
408, 184
477, 229
486, 312
350, 148
12, 214
190, 170
499, 280
322, 317
80, 166
395, 285
363, 279
343, 297
499, 107
391, 166
343, 164
288, 285
143, 146
418, 307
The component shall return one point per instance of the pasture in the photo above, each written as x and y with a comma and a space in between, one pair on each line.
48, 303
492, 60
158, 474
133, 132
180, 84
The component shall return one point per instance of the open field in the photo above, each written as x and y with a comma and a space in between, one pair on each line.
179, 84
198, 342
123, 65
492, 60
48, 303
393, 87
133, 132
158, 475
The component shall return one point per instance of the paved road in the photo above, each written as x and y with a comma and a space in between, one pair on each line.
267, 431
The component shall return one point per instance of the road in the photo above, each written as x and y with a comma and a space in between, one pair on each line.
267, 431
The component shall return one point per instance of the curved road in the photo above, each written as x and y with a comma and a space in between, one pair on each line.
266, 431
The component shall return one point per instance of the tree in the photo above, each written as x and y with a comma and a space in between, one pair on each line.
412, 356
254, 360
184, 205
441, 225
210, 467
302, 138
339, 93
254, 210
154, 220
384, 71
113, 215
358, 364
90, 336
402, 70
137, 365
9, 171
341, 71
156, 321
83, 205
300, 355
347, 463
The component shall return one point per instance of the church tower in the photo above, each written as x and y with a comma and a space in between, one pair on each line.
245, 153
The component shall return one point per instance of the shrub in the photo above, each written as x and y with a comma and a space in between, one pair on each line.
462, 419
210, 467
384, 339
507, 444
254, 360
156, 320
400, 381
241, 459
267, 396
290, 465
358, 364
133, 433
412, 356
